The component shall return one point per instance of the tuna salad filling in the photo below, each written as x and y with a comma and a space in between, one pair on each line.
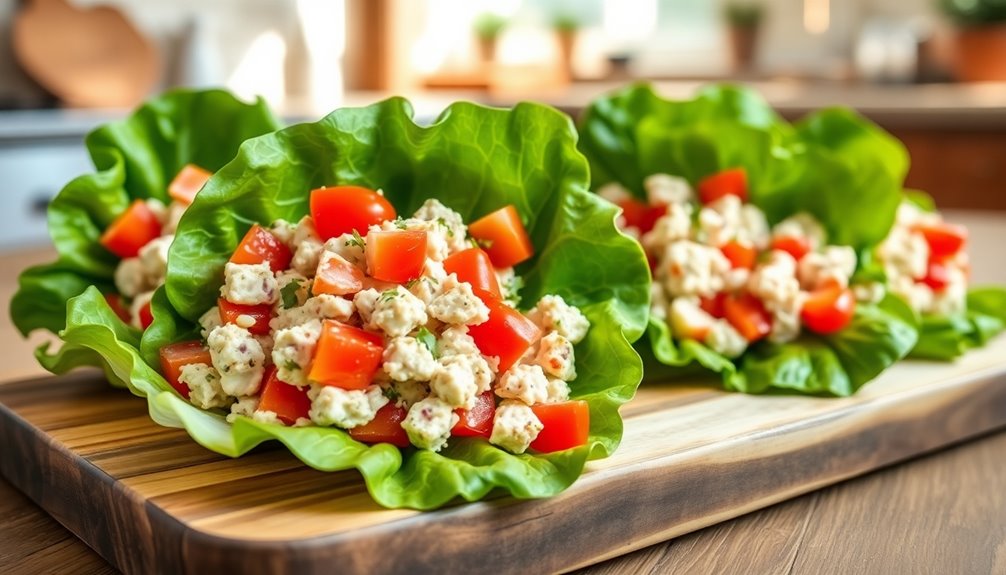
926, 262
722, 276
141, 236
398, 330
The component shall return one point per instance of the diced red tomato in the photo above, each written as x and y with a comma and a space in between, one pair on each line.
346, 356
187, 183
640, 215
503, 236
261, 314
386, 427
828, 309
260, 245
740, 254
397, 256
132, 230
337, 276
944, 239
793, 245
937, 275
288, 402
714, 306
748, 316
338, 210
565, 425
474, 266
731, 182
145, 316
176, 356
507, 334
477, 421
118, 307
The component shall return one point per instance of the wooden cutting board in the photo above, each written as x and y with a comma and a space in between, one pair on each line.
148, 499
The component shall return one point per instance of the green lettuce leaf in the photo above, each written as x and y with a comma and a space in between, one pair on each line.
947, 337
133, 158
474, 160
834, 164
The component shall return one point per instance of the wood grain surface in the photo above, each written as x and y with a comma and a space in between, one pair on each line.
148, 498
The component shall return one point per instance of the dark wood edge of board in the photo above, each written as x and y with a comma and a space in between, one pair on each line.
506, 535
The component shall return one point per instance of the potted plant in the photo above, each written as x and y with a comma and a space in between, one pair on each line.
743, 20
488, 28
566, 27
980, 39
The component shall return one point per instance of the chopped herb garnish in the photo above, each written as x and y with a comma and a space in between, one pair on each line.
291, 365
411, 283
289, 294
428, 339
389, 294
357, 240
443, 223
400, 223
391, 393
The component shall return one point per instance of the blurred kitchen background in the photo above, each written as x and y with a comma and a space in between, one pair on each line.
931, 71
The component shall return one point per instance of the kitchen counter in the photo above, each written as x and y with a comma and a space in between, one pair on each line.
943, 513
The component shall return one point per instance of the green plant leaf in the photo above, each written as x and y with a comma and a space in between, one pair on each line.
947, 337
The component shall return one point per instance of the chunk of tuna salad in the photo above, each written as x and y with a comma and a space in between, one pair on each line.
724, 277
396, 330
140, 237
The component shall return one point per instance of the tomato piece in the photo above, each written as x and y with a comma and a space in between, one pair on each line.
944, 239
640, 215
187, 183
507, 334
346, 356
132, 230
176, 356
565, 425
474, 266
397, 256
386, 427
828, 309
740, 254
748, 316
119, 308
260, 245
145, 316
793, 245
714, 306
260, 314
477, 421
338, 210
503, 236
337, 276
937, 275
730, 182
288, 402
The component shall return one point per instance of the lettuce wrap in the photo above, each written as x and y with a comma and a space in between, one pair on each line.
471, 158
134, 158
834, 165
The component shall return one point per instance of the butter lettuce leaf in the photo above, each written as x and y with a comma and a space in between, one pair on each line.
947, 337
833, 164
474, 160
136, 157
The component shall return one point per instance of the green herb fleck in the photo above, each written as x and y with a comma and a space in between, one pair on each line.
391, 393
411, 283
443, 223
357, 241
428, 339
389, 294
291, 365
400, 223
289, 294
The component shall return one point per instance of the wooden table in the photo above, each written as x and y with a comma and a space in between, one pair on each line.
944, 513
